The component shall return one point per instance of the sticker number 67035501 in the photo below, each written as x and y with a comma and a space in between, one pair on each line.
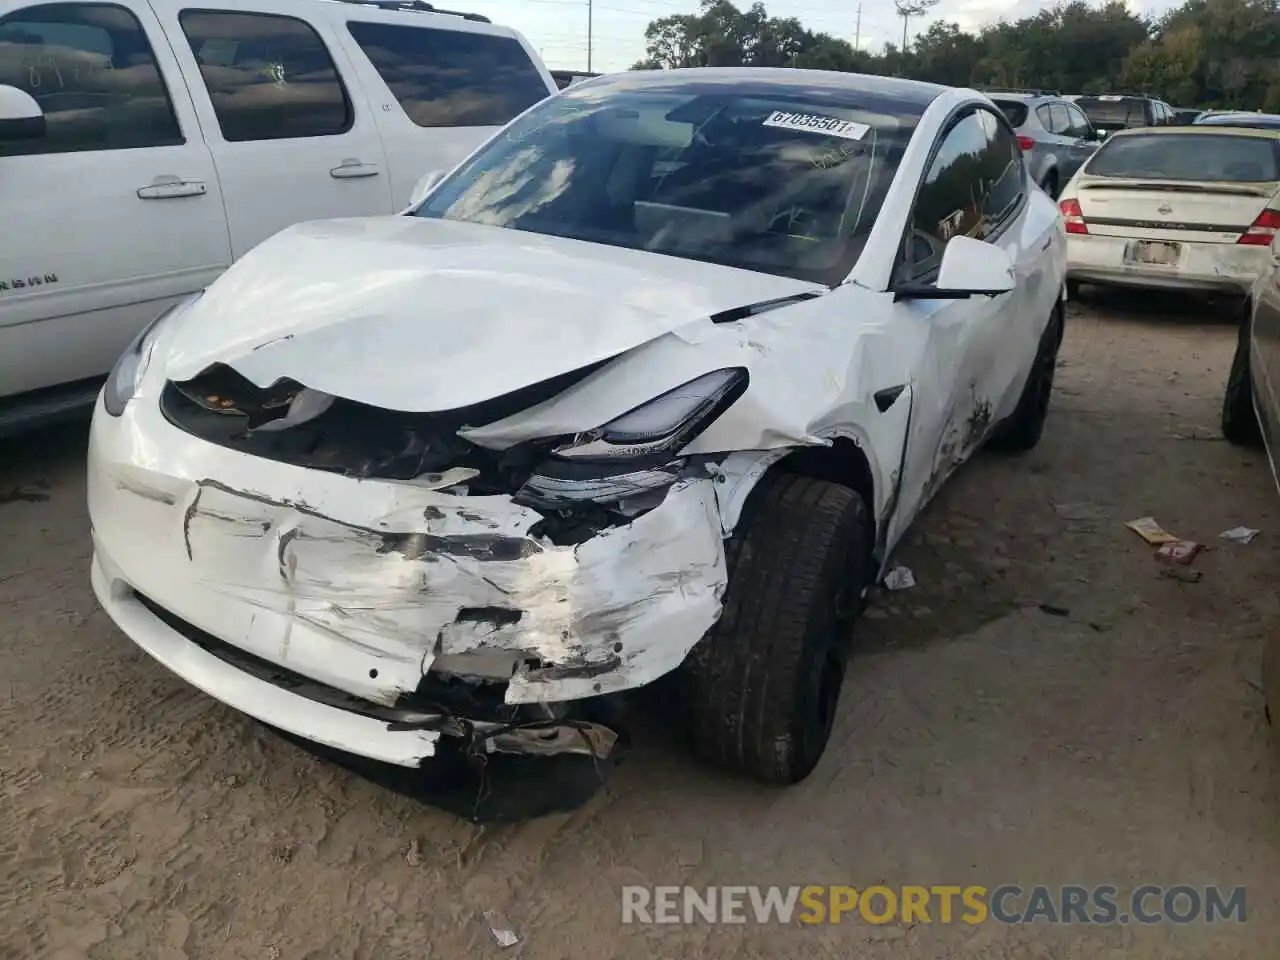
814, 123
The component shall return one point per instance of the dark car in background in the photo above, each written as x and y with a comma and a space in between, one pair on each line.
1259, 121
1054, 134
1110, 112
1186, 115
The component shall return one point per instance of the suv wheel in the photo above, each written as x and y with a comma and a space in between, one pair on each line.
760, 689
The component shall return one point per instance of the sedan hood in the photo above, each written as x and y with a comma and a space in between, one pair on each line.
421, 315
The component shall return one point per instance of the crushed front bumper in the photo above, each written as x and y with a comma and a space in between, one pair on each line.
336, 609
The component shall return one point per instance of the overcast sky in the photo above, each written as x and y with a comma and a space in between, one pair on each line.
558, 28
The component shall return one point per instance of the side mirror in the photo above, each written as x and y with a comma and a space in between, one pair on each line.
424, 186
1099, 135
20, 116
970, 268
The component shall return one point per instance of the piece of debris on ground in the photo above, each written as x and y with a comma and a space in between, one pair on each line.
1239, 534
1180, 551
899, 578
1151, 531
504, 934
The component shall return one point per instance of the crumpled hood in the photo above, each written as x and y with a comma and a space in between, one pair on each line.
419, 315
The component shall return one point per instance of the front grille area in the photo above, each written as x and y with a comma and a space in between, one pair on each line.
222, 407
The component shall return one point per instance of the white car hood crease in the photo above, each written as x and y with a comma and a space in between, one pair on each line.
422, 315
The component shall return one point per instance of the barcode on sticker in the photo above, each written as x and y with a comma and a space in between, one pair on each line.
812, 123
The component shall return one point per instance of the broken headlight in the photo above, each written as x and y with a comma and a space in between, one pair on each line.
635, 453
122, 383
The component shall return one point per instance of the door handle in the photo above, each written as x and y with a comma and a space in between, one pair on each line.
352, 169
169, 187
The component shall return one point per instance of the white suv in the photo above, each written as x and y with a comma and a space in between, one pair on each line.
146, 144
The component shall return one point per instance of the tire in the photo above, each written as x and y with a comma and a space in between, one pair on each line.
1073, 291
1239, 420
1050, 184
761, 687
1022, 430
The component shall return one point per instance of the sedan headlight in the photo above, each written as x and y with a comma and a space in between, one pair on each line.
122, 383
636, 453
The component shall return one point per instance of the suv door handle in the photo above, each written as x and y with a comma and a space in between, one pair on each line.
352, 169
168, 187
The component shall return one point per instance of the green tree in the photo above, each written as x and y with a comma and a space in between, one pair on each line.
1213, 53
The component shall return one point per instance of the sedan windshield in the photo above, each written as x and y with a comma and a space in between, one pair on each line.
760, 180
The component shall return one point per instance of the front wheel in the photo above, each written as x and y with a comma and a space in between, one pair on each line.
1024, 427
761, 687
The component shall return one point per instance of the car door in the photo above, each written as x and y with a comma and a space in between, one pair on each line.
291, 131
1264, 359
1084, 140
439, 92
977, 351
112, 213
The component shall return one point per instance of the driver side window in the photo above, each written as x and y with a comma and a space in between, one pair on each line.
973, 188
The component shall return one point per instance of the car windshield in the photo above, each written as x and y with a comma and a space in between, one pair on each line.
1220, 158
759, 179
1113, 114
1015, 111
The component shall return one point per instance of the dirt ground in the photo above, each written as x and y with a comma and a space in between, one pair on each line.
1118, 739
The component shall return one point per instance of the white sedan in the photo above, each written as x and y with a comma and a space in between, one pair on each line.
651, 384
1175, 208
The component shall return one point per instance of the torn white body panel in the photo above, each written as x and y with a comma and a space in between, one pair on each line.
490, 310
360, 585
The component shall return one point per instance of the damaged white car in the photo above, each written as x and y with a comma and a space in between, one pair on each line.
651, 384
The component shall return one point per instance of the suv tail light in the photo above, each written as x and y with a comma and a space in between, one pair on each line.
1263, 230
1073, 217
1026, 143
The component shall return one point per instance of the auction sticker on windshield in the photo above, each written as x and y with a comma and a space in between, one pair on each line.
813, 123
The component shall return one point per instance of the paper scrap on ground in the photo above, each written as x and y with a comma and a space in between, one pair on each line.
1180, 551
1150, 531
900, 578
1239, 534
504, 935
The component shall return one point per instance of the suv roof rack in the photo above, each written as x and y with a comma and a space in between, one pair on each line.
419, 6
1026, 91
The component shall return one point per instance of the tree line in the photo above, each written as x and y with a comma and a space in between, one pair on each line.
1205, 53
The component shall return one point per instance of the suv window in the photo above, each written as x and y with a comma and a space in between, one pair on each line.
93, 72
973, 188
1014, 110
269, 77
1078, 124
452, 78
1115, 113
1061, 121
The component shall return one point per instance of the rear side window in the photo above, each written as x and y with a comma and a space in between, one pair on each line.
452, 78
92, 70
1114, 114
1015, 111
1188, 156
269, 77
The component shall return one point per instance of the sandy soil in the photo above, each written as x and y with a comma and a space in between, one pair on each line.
1120, 739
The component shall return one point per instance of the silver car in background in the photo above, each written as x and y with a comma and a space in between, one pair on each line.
1055, 135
